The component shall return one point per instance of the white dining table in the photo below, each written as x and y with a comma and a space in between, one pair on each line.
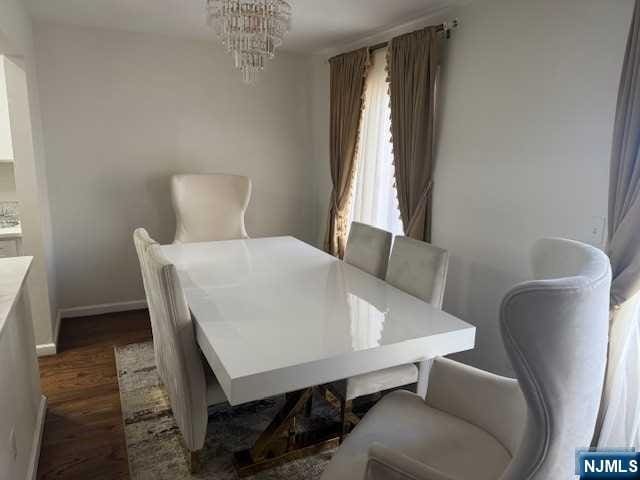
276, 315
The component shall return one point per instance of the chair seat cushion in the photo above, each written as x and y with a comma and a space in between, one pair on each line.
381, 380
404, 422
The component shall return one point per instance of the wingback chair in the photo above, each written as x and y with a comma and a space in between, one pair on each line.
474, 425
210, 207
190, 385
368, 248
417, 268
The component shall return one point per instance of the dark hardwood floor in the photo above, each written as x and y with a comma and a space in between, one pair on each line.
83, 433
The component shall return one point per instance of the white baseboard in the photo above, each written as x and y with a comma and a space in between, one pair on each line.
89, 310
37, 440
56, 328
46, 349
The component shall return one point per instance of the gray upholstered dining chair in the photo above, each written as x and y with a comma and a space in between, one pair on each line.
210, 207
190, 384
419, 269
368, 248
474, 425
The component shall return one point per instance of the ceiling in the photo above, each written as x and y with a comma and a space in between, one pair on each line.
316, 24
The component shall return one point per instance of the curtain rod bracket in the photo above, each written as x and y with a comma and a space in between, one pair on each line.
447, 27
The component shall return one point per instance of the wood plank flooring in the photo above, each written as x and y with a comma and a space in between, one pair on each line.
83, 433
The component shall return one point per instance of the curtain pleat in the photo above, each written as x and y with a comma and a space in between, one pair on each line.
413, 64
348, 72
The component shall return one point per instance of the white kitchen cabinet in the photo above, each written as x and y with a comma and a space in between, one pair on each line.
9, 248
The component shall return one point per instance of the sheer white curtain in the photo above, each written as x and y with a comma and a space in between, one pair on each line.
621, 422
375, 201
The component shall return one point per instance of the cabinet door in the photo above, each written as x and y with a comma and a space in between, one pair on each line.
8, 248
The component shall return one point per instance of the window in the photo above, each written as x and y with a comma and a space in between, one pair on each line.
375, 200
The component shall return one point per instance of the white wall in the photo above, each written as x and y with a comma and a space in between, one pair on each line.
124, 111
530, 90
30, 172
529, 94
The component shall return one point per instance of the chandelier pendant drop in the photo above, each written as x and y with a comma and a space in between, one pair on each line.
251, 30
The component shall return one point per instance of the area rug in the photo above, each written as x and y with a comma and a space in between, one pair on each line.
153, 439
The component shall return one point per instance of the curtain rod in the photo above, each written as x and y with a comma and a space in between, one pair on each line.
445, 27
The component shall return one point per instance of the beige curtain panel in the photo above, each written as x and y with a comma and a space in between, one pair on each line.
348, 72
413, 64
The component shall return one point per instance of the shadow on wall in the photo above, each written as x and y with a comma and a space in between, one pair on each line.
157, 210
475, 292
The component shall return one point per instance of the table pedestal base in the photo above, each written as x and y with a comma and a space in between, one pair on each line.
281, 443
306, 444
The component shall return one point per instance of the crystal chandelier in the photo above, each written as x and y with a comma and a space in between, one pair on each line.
251, 30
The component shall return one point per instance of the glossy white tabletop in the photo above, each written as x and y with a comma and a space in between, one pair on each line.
274, 315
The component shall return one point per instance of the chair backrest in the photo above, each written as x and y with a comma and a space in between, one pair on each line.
368, 248
177, 355
555, 330
419, 269
210, 207
142, 242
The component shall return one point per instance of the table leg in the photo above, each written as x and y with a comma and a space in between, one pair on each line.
281, 443
424, 368
345, 407
281, 423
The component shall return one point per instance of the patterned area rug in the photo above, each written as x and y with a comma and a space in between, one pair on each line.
153, 439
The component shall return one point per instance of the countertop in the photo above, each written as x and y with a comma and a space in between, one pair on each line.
7, 233
13, 272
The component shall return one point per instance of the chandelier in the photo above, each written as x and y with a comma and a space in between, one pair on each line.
251, 30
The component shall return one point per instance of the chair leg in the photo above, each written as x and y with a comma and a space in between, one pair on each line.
424, 368
196, 461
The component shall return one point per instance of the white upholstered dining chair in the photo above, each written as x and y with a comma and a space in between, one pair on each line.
417, 268
368, 248
190, 384
210, 207
474, 425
